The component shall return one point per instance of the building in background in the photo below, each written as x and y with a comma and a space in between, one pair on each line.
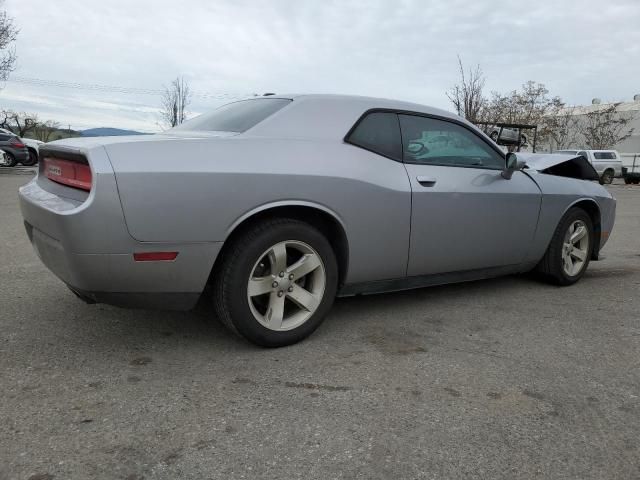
631, 109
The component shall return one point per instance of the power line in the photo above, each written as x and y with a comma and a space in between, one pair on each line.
40, 82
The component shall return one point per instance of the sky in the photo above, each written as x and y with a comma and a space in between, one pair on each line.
68, 50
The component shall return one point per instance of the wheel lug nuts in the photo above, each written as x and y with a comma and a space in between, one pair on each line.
280, 293
281, 274
274, 284
290, 289
291, 276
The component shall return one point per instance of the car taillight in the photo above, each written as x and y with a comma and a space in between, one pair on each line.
16, 143
72, 174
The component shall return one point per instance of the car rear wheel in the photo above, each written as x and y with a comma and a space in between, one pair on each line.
11, 160
607, 177
276, 282
569, 252
32, 160
494, 136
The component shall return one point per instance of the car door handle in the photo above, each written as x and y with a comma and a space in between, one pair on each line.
426, 181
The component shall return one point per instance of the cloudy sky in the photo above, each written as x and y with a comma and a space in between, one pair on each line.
406, 49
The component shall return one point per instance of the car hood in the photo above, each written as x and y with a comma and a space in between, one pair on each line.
542, 161
560, 164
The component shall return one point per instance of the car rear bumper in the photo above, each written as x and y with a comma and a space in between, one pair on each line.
152, 301
86, 244
603, 166
19, 154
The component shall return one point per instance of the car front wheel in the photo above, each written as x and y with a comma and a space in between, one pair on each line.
276, 282
570, 250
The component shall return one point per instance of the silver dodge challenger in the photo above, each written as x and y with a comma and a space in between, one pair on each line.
272, 206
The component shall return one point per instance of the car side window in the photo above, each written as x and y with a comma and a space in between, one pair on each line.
378, 132
604, 155
4, 138
438, 142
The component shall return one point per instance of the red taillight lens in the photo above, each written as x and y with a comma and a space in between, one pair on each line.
16, 142
72, 174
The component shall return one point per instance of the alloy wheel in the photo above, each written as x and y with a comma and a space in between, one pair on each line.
575, 248
286, 285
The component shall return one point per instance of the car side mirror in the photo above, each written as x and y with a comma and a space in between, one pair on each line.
512, 164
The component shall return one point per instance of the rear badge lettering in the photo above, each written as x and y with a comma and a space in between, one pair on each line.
55, 170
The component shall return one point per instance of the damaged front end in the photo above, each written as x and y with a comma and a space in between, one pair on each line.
561, 165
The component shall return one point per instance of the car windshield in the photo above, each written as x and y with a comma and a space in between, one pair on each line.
234, 117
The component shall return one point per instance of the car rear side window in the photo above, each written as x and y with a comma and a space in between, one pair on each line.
604, 156
235, 117
437, 142
378, 132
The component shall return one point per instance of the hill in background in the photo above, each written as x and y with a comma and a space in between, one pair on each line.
108, 132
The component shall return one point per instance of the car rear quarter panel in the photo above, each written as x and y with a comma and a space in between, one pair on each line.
197, 190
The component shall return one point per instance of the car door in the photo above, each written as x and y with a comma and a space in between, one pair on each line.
465, 215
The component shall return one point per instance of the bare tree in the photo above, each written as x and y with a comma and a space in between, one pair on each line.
18, 122
605, 126
44, 131
525, 106
8, 34
175, 100
559, 126
467, 97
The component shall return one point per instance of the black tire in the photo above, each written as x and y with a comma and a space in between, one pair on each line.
523, 140
494, 136
636, 181
12, 160
607, 177
551, 265
32, 160
232, 272
627, 181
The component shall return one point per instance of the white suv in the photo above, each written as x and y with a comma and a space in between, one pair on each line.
607, 163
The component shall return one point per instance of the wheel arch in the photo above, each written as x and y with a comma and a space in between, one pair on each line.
593, 210
321, 217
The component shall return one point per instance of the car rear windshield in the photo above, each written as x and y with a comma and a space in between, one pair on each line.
235, 117
604, 155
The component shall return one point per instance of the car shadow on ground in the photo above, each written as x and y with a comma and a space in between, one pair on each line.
131, 330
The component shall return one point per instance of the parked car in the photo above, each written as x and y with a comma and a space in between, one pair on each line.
508, 135
33, 146
4, 160
607, 163
280, 203
15, 149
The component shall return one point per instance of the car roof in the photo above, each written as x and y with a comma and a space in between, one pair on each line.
371, 102
330, 115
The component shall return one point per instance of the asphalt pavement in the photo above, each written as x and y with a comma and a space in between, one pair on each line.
500, 379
